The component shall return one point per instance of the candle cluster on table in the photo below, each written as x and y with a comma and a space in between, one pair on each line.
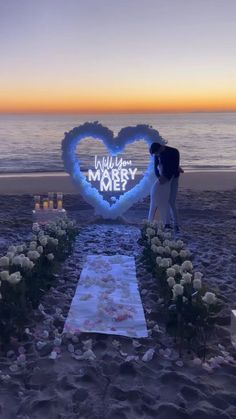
53, 201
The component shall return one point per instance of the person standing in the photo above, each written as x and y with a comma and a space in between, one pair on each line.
164, 191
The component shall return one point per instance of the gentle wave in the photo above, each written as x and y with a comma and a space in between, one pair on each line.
32, 143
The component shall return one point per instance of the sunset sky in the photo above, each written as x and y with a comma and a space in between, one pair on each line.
117, 55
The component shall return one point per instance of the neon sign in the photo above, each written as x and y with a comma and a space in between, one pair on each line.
112, 173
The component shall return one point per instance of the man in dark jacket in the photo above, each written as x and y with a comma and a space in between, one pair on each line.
164, 191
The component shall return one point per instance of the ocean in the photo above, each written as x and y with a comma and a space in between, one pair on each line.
32, 143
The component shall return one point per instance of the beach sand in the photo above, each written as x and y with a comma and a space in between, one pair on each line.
114, 386
42, 183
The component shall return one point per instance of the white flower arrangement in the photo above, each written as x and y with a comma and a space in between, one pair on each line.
20, 249
17, 260
33, 245
33, 255
198, 275
197, 283
43, 241
171, 272
160, 250
40, 250
174, 254
14, 278
209, 298
167, 250
27, 263
4, 275
182, 287
150, 232
180, 244
156, 241
12, 249
187, 277
158, 260
4, 261
61, 232
183, 254
176, 268
187, 266
178, 290
36, 228
154, 248
171, 281
24, 262
10, 256
167, 235
165, 263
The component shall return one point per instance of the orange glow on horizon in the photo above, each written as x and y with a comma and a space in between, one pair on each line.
117, 104
127, 97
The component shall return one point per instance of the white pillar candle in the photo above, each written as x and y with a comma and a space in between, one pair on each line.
37, 202
45, 204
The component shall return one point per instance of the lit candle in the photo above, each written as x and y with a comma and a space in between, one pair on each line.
50, 198
45, 204
37, 202
59, 200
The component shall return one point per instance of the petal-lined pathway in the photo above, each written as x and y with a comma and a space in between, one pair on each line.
107, 298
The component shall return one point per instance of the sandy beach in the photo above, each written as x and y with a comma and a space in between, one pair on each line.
41, 183
118, 384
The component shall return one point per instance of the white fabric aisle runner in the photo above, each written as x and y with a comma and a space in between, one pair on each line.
107, 298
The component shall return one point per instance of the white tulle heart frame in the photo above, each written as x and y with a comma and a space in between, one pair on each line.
114, 145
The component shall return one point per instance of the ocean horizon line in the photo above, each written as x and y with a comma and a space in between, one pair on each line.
58, 113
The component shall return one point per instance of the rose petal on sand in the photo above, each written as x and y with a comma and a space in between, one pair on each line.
116, 343
197, 361
157, 329
136, 343
13, 368
71, 348
40, 345
53, 355
207, 367
21, 359
87, 344
88, 355
148, 355
179, 363
132, 358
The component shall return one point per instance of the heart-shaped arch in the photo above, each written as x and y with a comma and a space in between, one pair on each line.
115, 145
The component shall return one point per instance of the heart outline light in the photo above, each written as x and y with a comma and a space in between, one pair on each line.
115, 145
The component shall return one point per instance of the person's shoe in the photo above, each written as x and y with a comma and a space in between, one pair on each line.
167, 227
